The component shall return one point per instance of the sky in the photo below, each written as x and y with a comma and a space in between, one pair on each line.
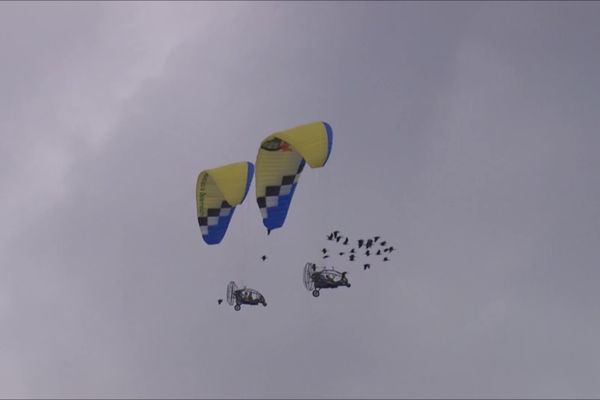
464, 133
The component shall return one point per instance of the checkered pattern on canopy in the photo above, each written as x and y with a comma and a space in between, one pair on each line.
214, 225
276, 202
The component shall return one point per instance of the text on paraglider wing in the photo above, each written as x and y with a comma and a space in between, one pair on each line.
202, 194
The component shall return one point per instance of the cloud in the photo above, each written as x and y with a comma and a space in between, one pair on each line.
63, 92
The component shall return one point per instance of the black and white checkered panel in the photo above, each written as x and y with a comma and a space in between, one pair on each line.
214, 225
275, 204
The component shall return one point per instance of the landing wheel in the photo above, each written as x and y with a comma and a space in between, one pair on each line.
349, 285
316, 293
237, 307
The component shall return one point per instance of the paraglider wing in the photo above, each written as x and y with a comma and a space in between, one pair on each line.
279, 163
218, 192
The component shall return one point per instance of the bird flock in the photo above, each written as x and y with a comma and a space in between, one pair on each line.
367, 247
374, 247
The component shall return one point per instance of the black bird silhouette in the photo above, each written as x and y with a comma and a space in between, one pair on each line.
368, 253
351, 257
369, 243
366, 266
324, 251
220, 301
352, 251
383, 243
330, 236
326, 256
385, 250
342, 253
378, 252
376, 238
335, 233
360, 243
338, 239
346, 241
391, 248
263, 258
385, 259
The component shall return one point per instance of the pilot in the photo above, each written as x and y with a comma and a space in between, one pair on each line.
330, 278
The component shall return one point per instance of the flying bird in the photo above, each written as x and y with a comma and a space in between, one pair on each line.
346, 241
378, 252
352, 251
368, 253
385, 259
263, 258
324, 251
335, 233
342, 253
326, 256
351, 257
220, 301
391, 248
330, 236
338, 239
383, 243
367, 266
376, 238
360, 243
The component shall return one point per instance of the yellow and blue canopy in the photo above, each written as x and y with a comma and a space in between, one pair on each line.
279, 162
218, 192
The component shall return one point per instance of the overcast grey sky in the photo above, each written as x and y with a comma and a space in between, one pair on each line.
467, 134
